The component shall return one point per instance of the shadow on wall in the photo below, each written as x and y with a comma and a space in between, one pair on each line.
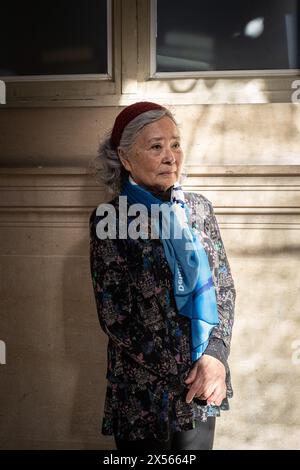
85, 349
229, 122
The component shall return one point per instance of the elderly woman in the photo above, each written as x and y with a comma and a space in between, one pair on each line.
166, 302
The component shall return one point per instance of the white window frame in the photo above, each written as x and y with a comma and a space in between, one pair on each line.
62, 77
131, 77
212, 73
70, 89
206, 87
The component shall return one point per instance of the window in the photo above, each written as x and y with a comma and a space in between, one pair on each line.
56, 37
107, 53
224, 35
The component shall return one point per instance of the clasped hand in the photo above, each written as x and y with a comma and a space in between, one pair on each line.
206, 381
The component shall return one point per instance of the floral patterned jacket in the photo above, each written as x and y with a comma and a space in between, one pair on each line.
148, 353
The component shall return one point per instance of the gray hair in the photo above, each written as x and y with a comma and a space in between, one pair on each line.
107, 165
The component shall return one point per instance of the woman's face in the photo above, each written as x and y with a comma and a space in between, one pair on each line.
156, 157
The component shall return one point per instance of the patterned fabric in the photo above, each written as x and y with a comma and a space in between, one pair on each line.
194, 289
148, 354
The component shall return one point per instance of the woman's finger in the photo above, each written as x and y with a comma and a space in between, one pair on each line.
195, 388
217, 396
192, 375
208, 389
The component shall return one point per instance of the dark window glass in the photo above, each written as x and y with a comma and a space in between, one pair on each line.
205, 35
53, 37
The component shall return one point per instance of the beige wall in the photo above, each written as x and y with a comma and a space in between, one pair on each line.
242, 134
52, 386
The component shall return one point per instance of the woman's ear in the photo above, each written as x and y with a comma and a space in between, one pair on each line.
122, 157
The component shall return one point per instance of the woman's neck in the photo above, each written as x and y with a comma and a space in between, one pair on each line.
164, 194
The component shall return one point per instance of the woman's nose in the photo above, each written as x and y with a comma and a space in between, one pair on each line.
168, 156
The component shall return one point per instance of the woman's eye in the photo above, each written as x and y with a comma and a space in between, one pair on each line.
176, 145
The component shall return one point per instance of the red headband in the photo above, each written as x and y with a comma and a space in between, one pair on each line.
127, 115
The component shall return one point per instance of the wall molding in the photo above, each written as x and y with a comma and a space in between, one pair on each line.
243, 196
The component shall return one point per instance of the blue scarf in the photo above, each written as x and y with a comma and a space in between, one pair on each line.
193, 284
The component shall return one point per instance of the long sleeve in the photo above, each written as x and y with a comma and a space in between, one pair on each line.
117, 308
219, 344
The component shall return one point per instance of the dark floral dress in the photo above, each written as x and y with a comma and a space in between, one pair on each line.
148, 353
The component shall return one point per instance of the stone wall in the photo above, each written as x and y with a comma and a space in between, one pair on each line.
244, 158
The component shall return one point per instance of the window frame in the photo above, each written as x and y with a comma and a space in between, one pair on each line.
70, 89
131, 80
209, 87
209, 73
